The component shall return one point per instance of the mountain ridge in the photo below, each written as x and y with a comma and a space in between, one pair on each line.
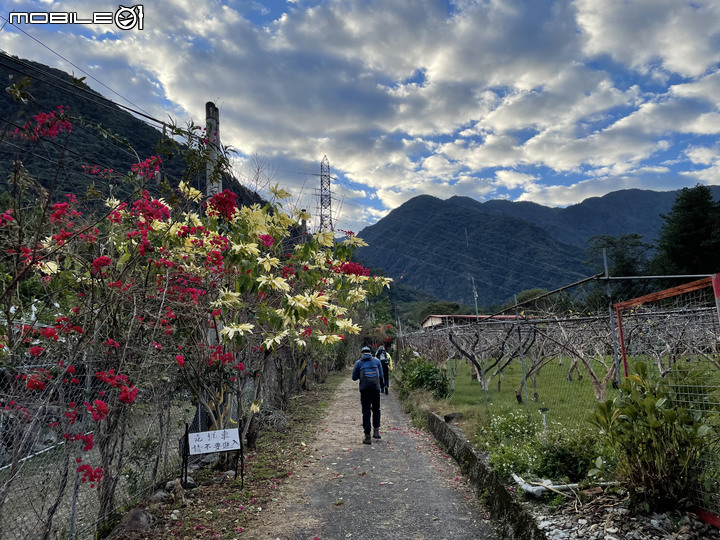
438, 245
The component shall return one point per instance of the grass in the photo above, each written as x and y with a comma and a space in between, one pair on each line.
567, 403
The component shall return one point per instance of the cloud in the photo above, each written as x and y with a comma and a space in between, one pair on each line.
567, 195
682, 37
702, 154
483, 99
574, 95
513, 179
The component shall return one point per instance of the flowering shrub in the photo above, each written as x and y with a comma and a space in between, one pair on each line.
98, 307
45, 125
148, 168
223, 205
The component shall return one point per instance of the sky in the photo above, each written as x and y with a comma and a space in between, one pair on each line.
537, 100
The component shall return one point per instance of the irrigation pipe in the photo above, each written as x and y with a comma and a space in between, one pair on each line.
36, 454
537, 489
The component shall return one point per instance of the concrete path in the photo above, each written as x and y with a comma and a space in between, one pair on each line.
402, 486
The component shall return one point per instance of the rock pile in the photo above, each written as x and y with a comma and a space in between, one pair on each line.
606, 518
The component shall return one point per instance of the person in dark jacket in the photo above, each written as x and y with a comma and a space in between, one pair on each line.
386, 363
369, 372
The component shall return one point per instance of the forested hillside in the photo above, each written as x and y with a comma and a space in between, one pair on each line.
104, 137
507, 247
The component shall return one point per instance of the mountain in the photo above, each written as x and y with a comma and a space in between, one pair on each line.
619, 212
438, 245
103, 135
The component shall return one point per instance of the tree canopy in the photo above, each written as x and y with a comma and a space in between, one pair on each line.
689, 242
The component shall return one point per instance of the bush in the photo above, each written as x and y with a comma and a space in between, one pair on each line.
567, 454
514, 426
658, 443
511, 444
419, 373
515, 445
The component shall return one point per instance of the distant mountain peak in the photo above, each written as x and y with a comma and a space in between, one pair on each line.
509, 247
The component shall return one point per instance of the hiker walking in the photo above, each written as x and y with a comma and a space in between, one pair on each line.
386, 363
369, 372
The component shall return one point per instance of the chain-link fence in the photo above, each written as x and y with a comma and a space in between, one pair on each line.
45, 492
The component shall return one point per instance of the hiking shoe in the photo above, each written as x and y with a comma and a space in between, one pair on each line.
376, 434
386, 390
367, 439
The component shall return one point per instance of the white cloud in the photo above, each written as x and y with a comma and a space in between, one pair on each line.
567, 195
682, 37
514, 179
702, 155
481, 99
574, 95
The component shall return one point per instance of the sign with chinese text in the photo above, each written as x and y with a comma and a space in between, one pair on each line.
207, 442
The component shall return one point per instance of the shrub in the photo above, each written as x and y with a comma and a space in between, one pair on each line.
514, 426
516, 458
567, 454
657, 441
515, 445
419, 373
511, 444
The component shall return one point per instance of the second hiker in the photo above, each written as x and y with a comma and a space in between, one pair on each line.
386, 362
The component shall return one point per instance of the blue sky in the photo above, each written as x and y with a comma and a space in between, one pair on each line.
536, 100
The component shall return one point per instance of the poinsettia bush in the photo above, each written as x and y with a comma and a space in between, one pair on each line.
104, 309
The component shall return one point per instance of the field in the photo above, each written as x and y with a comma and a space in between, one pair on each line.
566, 403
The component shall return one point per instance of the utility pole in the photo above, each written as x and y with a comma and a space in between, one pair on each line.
613, 323
325, 196
213, 185
472, 278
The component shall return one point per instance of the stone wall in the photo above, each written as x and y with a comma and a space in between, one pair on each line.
515, 521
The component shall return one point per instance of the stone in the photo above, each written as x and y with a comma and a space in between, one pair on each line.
134, 521
208, 460
160, 496
190, 484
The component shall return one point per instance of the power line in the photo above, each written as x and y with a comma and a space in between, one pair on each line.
453, 255
74, 65
477, 272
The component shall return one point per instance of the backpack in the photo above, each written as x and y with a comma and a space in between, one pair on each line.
383, 357
369, 376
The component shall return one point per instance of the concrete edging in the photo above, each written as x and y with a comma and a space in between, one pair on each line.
514, 520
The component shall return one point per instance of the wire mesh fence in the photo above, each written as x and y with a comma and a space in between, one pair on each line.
46, 495
557, 363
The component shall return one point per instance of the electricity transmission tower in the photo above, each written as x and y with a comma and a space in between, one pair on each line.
325, 196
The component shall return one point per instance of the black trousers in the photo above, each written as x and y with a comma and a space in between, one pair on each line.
386, 374
370, 402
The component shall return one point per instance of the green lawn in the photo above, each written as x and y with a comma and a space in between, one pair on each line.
568, 403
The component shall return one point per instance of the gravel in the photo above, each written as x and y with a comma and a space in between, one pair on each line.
606, 517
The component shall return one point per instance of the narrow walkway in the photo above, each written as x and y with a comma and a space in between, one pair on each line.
402, 486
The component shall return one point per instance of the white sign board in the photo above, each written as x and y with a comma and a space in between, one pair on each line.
207, 442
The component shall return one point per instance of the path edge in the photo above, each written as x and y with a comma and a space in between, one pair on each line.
514, 521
